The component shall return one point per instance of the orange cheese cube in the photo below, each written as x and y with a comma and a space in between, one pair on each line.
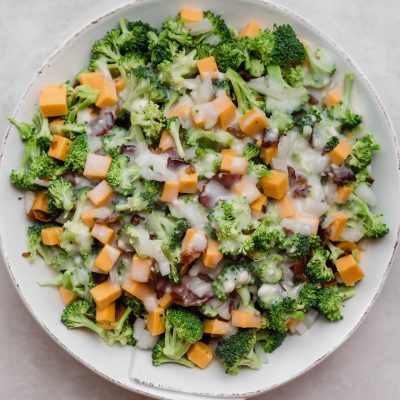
351, 247
286, 209
340, 152
51, 236
207, 66
194, 241
349, 270
292, 323
55, 124
170, 191
215, 327
337, 226
200, 354
101, 193
166, 141
234, 164
40, 203
138, 289
108, 94
212, 256
258, 205
204, 115
88, 215
105, 293
96, 166
141, 269
276, 185
229, 152
245, 319
251, 29
268, 153
156, 321
53, 100
59, 147
106, 258
106, 315
119, 83
166, 301
102, 233
246, 187
253, 122
181, 111
67, 296
333, 97
91, 79
226, 110
308, 219
191, 15
342, 194
188, 182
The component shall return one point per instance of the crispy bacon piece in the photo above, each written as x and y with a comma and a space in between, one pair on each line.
341, 174
102, 124
270, 138
298, 183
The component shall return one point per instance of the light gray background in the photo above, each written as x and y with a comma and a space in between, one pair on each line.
33, 367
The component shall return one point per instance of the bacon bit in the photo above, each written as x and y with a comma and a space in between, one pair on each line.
153, 237
288, 231
330, 283
177, 162
312, 100
26, 254
225, 179
341, 174
246, 75
205, 277
136, 219
102, 124
99, 278
128, 149
42, 216
236, 132
187, 260
190, 170
111, 218
298, 271
270, 138
70, 177
298, 183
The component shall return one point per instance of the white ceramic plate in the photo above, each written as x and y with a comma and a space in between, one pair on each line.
298, 354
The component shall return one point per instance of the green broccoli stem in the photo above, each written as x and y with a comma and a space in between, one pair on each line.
57, 281
347, 90
87, 323
121, 322
346, 292
275, 72
175, 348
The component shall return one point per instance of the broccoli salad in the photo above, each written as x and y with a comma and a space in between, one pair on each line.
200, 192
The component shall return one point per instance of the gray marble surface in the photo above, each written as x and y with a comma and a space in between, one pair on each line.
366, 367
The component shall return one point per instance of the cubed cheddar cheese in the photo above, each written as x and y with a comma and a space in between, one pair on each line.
342, 194
340, 152
246, 319
212, 256
88, 215
166, 301
292, 323
200, 354
59, 147
215, 327
275, 185
333, 97
156, 321
120, 83
226, 110
51, 236
195, 240
234, 164
208, 66
106, 315
191, 15
306, 219
102, 233
141, 268
40, 203
140, 290
53, 100
96, 166
108, 94
105, 293
170, 191
268, 153
229, 152
349, 270
180, 110
251, 29
106, 258
91, 79
204, 115
101, 193
259, 204
188, 182
67, 296
247, 187
55, 124
337, 226
286, 208
253, 122
166, 141
351, 247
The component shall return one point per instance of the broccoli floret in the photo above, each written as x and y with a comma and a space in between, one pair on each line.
80, 314
280, 121
208, 311
279, 313
62, 195
42, 135
231, 277
300, 246
161, 48
320, 67
229, 55
25, 130
256, 68
36, 246
204, 50
308, 297
207, 162
307, 122
173, 254
77, 154
208, 139
182, 329
121, 176
362, 152
105, 51
374, 227
268, 235
258, 170
220, 28
158, 356
81, 98
270, 340
343, 113
330, 144
246, 97
251, 151
173, 127
135, 305
335, 252
123, 332
316, 269
134, 37
78, 280
280, 96
268, 271
70, 130
129, 62
262, 46
238, 351
330, 301
143, 200
175, 30
295, 76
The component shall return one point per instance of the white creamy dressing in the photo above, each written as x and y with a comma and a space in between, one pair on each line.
204, 93
194, 213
